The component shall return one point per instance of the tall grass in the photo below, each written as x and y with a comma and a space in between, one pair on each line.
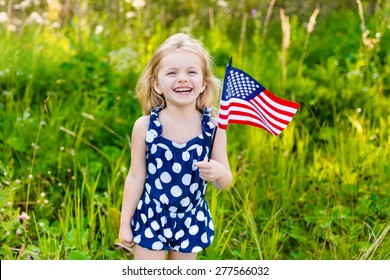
318, 191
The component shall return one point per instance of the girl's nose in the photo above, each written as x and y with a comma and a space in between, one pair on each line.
182, 78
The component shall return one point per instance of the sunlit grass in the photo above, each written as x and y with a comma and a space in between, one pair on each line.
320, 190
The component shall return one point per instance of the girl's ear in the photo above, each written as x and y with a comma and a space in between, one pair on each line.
204, 86
156, 87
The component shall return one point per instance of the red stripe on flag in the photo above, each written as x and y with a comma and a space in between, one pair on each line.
281, 101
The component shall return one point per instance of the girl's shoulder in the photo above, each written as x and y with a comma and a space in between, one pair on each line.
141, 125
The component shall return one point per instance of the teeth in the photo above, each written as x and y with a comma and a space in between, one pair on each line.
182, 89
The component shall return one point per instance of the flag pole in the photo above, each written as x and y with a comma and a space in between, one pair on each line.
216, 128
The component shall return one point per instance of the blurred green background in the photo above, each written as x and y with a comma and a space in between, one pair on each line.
68, 70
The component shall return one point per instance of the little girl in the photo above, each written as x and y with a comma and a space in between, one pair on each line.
163, 207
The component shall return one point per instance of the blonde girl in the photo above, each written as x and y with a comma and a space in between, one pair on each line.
164, 212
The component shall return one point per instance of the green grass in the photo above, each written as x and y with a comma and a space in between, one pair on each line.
320, 190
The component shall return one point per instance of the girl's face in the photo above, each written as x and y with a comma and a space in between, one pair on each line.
180, 78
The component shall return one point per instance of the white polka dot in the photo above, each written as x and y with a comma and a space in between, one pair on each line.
147, 199
204, 238
173, 209
163, 221
194, 230
185, 201
187, 222
153, 149
168, 233
158, 185
196, 249
194, 187
137, 226
149, 137
155, 225
152, 168
211, 225
157, 245
185, 244
179, 234
164, 199
159, 163
148, 187
144, 218
139, 205
176, 167
211, 239
199, 150
186, 180
162, 238
180, 215
176, 191
198, 194
165, 177
137, 239
186, 156
179, 146
148, 233
168, 155
200, 216
193, 166
150, 213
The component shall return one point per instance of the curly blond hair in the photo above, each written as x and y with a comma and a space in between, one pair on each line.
145, 91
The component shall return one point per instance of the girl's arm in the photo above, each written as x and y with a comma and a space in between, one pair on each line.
217, 170
135, 180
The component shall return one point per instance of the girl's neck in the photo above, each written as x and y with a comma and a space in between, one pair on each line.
181, 112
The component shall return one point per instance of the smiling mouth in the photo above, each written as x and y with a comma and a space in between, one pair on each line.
183, 90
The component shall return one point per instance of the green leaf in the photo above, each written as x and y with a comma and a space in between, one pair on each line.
78, 255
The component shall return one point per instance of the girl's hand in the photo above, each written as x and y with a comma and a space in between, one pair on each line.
126, 236
210, 170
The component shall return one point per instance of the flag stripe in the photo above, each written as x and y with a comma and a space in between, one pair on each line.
229, 110
281, 103
270, 121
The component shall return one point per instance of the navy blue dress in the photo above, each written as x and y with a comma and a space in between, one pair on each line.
172, 213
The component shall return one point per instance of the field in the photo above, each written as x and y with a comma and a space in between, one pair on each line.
318, 191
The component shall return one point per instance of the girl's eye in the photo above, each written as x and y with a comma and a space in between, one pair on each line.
193, 72
171, 73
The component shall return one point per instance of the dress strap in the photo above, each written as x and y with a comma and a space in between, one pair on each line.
207, 125
155, 127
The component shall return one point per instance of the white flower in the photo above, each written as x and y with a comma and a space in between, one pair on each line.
99, 29
3, 17
34, 17
138, 4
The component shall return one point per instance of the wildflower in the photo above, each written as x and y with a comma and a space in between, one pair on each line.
18, 232
62, 148
222, 4
359, 110
30, 176
23, 217
43, 194
130, 15
99, 29
42, 224
34, 17
138, 4
3, 17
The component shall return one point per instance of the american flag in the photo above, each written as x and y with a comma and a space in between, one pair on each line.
245, 101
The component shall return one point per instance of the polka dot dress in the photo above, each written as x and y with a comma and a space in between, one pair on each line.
172, 213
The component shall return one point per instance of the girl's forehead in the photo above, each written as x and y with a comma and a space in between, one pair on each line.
180, 58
